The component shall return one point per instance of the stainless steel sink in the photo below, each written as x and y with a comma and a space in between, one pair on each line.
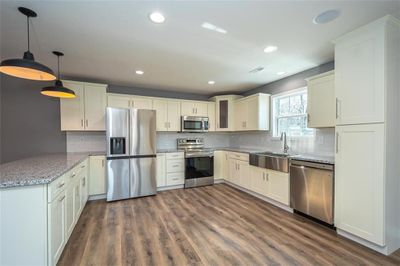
270, 160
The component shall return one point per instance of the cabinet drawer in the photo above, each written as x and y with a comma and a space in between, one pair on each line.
56, 187
175, 179
174, 155
174, 166
239, 156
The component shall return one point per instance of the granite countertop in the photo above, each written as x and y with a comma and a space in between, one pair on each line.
314, 158
39, 169
168, 150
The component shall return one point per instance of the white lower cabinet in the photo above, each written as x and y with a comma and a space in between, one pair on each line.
56, 227
258, 181
97, 175
359, 181
161, 174
174, 179
278, 186
69, 209
269, 183
170, 169
46, 217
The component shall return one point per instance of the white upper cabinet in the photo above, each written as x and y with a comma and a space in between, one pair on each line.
194, 108
360, 75
211, 116
252, 112
73, 110
168, 114
118, 101
225, 112
129, 101
321, 100
95, 102
142, 103
86, 111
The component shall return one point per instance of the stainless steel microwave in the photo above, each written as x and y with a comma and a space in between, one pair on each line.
194, 124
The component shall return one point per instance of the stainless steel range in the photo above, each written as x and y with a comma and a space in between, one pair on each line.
199, 162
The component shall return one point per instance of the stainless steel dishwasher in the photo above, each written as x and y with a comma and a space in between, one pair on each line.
311, 189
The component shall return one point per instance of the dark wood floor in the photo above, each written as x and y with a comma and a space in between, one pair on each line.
215, 225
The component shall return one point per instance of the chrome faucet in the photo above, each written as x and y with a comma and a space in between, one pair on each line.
285, 146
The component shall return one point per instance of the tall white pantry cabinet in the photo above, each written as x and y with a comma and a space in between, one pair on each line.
367, 166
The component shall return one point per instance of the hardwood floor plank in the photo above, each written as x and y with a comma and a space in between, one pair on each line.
214, 225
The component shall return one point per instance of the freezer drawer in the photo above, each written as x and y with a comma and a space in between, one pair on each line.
311, 191
117, 179
143, 176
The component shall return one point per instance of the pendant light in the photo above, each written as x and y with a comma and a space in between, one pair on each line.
58, 90
27, 67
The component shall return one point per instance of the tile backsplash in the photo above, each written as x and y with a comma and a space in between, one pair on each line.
86, 141
321, 144
96, 141
167, 140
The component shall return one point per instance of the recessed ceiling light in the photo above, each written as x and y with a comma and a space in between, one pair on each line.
211, 82
157, 17
281, 73
270, 49
326, 16
139, 72
212, 27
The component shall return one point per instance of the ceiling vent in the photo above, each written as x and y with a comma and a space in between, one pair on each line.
256, 70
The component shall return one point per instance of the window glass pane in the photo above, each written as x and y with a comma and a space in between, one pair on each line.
296, 105
283, 106
290, 114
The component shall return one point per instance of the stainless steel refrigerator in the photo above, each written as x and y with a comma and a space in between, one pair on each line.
131, 153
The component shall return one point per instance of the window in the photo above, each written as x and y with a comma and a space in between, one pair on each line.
289, 114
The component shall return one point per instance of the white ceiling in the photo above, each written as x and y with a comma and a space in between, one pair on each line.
108, 40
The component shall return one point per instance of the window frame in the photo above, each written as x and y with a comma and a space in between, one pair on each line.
275, 117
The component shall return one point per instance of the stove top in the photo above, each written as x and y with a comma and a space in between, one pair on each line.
194, 147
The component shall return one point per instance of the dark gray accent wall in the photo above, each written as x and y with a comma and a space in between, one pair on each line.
30, 122
292, 82
155, 93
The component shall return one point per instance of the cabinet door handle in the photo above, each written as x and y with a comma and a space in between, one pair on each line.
61, 185
73, 175
102, 163
81, 122
337, 142
308, 118
84, 181
267, 175
87, 123
62, 198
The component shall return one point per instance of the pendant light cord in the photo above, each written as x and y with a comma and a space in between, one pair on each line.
27, 22
58, 67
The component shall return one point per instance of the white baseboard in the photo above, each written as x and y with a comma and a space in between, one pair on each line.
97, 197
271, 201
169, 187
380, 249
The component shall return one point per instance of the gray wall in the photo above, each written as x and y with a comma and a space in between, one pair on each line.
155, 93
30, 122
292, 82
